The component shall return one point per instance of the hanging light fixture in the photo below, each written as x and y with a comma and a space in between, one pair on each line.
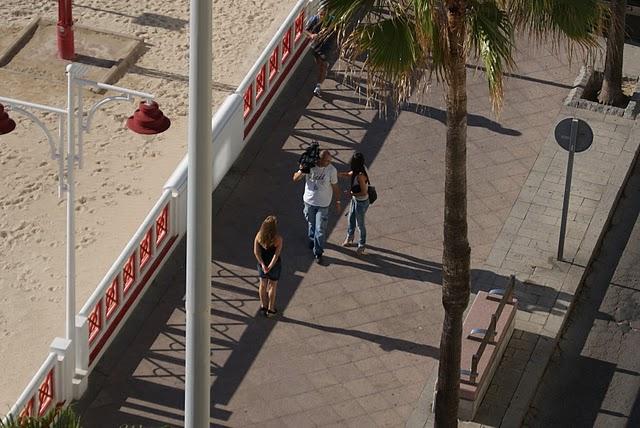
6, 123
148, 119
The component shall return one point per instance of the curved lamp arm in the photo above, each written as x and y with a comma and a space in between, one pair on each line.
41, 125
55, 153
86, 124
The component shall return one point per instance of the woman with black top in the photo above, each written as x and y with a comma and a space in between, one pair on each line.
267, 247
359, 201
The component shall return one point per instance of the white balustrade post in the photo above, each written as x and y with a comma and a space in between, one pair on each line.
63, 377
82, 350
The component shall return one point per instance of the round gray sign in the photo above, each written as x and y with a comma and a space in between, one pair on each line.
584, 136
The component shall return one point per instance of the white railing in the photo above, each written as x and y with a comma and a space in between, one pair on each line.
50, 386
40, 394
129, 277
265, 79
110, 304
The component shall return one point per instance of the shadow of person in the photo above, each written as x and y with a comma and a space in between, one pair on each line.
388, 262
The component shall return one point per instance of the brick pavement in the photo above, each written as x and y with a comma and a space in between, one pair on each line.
592, 379
357, 342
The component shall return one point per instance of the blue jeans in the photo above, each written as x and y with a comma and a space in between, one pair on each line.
357, 210
317, 218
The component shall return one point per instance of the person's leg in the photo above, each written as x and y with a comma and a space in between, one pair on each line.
322, 218
351, 223
361, 209
310, 216
273, 285
318, 61
262, 291
324, 68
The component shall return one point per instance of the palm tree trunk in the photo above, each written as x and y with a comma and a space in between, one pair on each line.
611, 92
456, 254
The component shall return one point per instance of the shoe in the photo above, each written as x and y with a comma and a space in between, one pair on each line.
264, 310
271, 312
360, 251
317, 91
348, 242
318, 258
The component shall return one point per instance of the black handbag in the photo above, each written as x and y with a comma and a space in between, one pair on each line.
373, 194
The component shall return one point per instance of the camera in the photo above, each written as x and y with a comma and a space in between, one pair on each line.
309, 157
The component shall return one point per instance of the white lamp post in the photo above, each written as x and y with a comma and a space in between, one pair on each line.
148, 119
200, 167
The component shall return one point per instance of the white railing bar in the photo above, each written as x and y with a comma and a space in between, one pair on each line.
178, 178
36, 106
107, 87
248, 79
34, 385
150, 220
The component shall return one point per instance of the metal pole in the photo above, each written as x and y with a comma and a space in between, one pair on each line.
567, 187
70, 331
66, 45
198, 299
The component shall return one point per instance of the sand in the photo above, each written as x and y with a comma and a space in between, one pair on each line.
123, 172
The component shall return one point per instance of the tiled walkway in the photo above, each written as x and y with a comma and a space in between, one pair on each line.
357, 341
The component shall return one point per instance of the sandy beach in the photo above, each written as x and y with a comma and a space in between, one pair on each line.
123, 173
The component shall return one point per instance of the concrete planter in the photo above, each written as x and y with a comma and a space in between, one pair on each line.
587, 79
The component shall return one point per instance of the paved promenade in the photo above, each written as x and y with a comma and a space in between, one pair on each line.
357, 341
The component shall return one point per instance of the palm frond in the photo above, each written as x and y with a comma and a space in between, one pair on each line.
393, 55
54, 418
431, 24
400, 40
575, 21
491, 38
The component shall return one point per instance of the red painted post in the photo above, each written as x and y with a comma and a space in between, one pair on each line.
66, 49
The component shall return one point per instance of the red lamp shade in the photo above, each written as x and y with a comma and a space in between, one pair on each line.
148, 119
6, 123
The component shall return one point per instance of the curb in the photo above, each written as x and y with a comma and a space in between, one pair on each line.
23, 37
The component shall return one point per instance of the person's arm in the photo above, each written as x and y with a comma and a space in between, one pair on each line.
345, 174
333, 179
256, 252
364, 189
276, 256
297, 176
336, 194
312, 22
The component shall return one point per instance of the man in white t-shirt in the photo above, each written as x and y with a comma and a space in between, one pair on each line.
321, 184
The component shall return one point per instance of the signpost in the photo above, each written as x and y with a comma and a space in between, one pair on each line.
575, 136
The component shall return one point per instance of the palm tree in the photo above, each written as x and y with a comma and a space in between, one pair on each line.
402, 40
611, 92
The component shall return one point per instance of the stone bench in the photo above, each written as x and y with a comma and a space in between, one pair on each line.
486, 331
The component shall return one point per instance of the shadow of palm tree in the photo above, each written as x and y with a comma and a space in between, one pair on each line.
386, 343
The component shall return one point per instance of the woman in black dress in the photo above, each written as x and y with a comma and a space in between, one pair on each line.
267, 247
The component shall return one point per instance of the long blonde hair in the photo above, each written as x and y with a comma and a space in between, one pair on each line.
268, 231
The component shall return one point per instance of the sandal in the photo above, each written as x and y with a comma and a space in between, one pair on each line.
264, 310
272, 312
348, 242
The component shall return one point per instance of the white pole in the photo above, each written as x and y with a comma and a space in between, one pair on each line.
198, 299
71, 235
